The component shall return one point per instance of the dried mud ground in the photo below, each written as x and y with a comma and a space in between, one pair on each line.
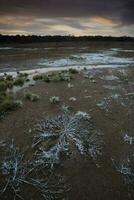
106, 98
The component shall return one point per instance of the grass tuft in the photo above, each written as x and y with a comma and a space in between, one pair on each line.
54, 100
19, 81
31, 96
73, 71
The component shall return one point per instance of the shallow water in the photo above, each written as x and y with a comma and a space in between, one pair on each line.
28, 57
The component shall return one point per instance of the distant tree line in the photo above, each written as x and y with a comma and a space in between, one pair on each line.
57, 38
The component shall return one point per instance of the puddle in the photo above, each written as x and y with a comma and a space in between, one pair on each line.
6, 48
104, 58
111, 87
20, 58
122, 50
110, 78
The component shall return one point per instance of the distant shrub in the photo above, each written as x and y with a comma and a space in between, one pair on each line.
9, 77
124, 78
9, 84
57, 78
31, 96
130, 95
37, 77
54, 99
23, 75
70, 85
65, 108
66, 76
45, 78
3, 86
7, 103
19, 81
72, 99
73, 71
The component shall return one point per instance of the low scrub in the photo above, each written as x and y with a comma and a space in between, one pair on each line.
3, 86
37, 77
54, 100
73, 71
31, 96
42, 77
8, 103
19, 81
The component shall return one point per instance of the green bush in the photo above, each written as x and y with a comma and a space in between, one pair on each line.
31, 96
9, 78
3, 86
57, 78
9, 84
19, 81
22, 75
73, 71
37, 77
7, 103
54, 100
45, 78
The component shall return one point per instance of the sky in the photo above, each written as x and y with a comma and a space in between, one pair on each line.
67, 17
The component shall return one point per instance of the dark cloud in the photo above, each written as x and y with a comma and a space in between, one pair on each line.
127, 16
122, 10
67, 16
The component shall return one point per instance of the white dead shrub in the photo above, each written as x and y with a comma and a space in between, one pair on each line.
17, 174
54, 135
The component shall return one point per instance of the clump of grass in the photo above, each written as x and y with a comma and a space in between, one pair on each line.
60, 76
54, 100
54, 77
66, 76
6, 82
65, 108
18, 103
7, 103
3, 86
9, 84
46, 78
70, 85
19, 81
124, 77
9, 77
31, 96
130, 95
73, 71
57, 78
37, 77
23, 75
72, 99
42, 77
